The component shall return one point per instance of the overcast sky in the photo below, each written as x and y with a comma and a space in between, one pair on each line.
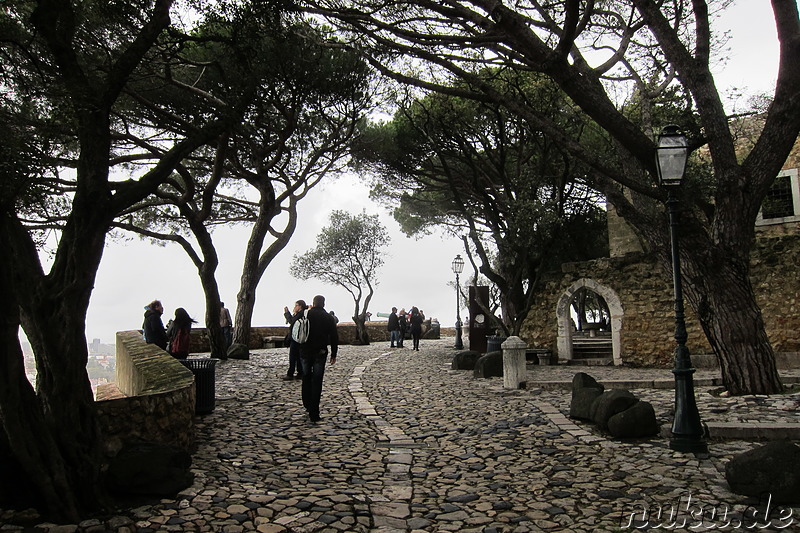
417, 272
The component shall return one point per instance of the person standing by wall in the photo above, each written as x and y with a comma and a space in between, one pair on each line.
226, 323
181, 334
416, 320
153, 327
402, 321
393, 326
294, 348
314, 355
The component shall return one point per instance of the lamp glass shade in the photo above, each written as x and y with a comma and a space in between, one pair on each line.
458, 264
671, 156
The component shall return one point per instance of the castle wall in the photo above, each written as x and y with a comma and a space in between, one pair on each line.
645, 293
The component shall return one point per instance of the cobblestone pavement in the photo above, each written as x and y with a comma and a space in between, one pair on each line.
407, 444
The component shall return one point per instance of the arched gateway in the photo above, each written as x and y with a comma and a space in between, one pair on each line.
566, 330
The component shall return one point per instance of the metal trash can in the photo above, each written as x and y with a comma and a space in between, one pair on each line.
494, 343
204, 370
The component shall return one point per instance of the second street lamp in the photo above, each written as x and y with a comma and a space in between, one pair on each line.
458, 266
687, 430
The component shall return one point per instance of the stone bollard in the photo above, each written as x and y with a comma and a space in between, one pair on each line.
514, 373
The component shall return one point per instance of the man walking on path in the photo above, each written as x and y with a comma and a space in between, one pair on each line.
314, 354
393, 327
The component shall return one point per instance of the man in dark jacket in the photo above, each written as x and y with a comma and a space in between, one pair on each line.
153, 327
314, 354
394, 328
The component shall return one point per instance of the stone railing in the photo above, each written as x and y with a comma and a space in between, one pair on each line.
155, 402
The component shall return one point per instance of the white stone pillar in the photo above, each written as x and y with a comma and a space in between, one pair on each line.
514, 374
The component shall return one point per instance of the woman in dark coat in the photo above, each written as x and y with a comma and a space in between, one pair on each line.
153, 327
402, 323
416, 320
180, 334
294, 348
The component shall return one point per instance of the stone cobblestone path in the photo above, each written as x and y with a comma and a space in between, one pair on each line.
407, 444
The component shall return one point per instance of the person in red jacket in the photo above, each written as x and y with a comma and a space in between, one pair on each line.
180, 334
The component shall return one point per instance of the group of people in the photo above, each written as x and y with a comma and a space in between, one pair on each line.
176, 336
309, 358
401, 323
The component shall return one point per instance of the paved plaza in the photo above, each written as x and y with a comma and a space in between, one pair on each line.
407, 444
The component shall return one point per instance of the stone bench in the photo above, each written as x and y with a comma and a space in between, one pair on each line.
274, 342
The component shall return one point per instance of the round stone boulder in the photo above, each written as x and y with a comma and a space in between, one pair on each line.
489, 365
465, 360
772, 469
610, 403
636, 422
239, 351
582, 400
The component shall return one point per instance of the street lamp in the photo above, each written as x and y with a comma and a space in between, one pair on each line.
687, 430
458, 266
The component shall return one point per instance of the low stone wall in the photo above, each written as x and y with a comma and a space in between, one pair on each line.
347, 334
157, 400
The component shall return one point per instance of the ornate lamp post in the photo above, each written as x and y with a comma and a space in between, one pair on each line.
458, 266
687, 430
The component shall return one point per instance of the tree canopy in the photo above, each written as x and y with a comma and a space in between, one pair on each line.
485, 173
349, 253
302, 104
603, 55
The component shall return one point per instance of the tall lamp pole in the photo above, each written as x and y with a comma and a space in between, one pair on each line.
687, 430
458, 266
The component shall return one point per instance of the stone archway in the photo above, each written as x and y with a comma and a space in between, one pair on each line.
564, 342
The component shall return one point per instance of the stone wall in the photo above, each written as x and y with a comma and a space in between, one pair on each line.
644, 292
774, 272
347, 334
157, 403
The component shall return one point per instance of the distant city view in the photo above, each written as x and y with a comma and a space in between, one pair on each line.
101, 365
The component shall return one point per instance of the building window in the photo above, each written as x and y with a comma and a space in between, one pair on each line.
782, 203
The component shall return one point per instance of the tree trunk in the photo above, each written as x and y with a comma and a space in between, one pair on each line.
722, 295
211, 290
42, 478
362, 335
245, 303
255, 263
716, 282
53, 433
